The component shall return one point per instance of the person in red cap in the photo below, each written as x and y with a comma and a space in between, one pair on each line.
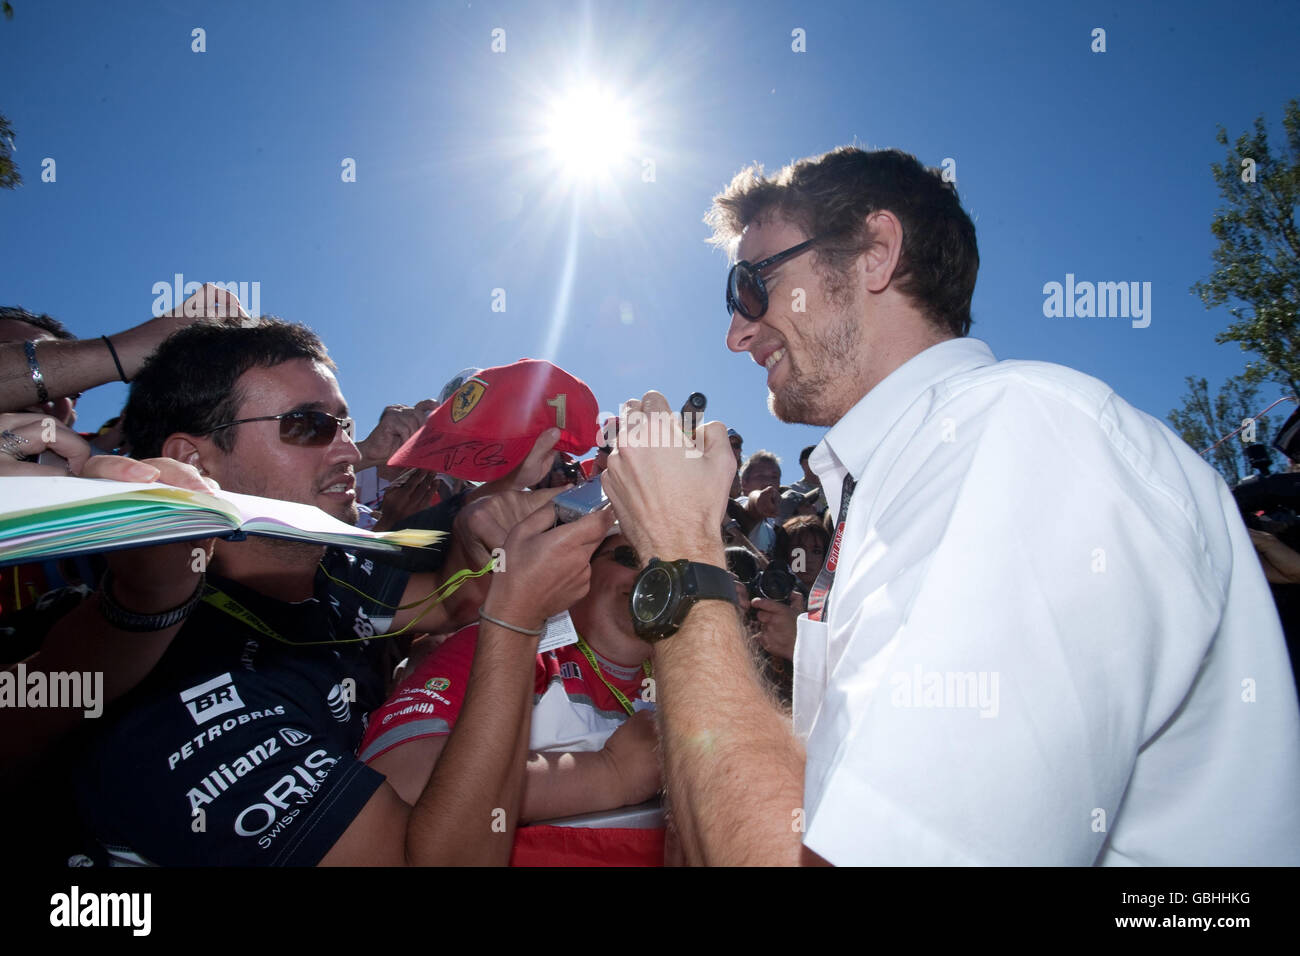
490, 423
592, 743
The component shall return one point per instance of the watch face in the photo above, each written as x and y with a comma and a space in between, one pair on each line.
651, 595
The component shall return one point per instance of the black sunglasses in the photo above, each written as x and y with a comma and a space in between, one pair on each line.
308, 428
746, 292
624, 555
571, 472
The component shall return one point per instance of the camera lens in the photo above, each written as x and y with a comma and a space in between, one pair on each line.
776, 584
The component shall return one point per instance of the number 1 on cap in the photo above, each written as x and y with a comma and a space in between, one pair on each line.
558, 402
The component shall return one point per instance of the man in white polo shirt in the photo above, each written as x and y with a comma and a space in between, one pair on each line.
1042, 635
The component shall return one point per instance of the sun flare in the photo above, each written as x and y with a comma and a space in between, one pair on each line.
589, 132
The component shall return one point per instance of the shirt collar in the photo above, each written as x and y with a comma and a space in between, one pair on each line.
854, 437
619, 671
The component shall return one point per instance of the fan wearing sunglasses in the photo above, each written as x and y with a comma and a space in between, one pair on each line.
591, 746
277, 640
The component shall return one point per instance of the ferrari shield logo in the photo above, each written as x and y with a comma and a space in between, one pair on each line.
466, 397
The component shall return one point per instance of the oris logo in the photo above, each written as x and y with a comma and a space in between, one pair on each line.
285, 799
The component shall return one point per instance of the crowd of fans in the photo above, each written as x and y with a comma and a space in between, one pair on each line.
339, 650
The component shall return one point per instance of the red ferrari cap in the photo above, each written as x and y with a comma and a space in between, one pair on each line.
488, 427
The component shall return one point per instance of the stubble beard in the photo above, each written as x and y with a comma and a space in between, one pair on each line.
294, 553
350, 513
343, 511
811, 396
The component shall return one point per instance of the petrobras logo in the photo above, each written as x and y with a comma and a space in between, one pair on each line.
209, 734
212, 698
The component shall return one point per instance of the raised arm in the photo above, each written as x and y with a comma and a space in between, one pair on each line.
624, 772
468, 810
734, 768
146, 581
71, 366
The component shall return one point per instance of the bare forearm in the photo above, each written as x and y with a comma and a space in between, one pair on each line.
83, 642
733, 766
470, 807
430, 618
743, 516
461, 606
565, 784
67, 366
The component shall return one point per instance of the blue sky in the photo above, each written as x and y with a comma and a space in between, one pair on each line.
225, 165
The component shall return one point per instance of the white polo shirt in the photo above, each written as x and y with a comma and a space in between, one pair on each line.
1049, 640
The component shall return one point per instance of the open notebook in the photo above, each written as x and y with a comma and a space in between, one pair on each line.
53, 517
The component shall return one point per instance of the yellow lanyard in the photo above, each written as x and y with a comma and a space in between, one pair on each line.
618, 694
219, 599
222, 601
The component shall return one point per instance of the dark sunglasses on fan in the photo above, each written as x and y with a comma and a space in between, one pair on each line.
624, 555
571, 472
746, 291
307, 428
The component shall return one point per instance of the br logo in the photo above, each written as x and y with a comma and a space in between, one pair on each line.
437, 683
467, 398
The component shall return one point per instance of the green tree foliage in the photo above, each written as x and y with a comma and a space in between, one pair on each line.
1202, 421
9, 175
1257, 261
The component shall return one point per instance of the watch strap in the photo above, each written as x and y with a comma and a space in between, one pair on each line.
694, 582
709, 582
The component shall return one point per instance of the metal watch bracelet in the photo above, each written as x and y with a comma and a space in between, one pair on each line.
137, 623
34, 367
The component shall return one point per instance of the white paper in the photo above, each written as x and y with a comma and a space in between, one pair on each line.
558, 632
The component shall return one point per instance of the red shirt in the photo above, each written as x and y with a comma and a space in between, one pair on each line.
573, 710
